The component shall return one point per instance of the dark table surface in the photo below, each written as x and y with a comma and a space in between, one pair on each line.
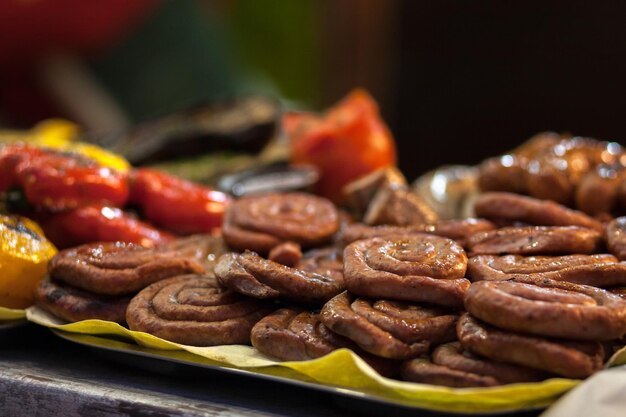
44, 375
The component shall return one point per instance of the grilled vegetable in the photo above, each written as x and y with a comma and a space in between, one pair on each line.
175, 204
347, 142
24, 255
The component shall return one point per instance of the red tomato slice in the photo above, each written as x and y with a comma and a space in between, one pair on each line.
349, 141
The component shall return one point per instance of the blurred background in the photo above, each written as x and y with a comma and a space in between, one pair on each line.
456, 81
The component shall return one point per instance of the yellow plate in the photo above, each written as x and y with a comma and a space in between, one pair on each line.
340, 368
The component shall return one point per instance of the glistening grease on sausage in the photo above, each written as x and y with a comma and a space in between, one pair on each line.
422, 268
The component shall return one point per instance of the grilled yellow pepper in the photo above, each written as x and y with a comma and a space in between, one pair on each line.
62, 135
24, 256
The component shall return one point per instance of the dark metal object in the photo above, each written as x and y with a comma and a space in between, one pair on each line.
273, 178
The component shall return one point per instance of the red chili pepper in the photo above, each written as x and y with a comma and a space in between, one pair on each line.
176, 204
58, 181
99, 224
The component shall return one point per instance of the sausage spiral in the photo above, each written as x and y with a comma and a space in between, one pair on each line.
72, 304
422, 268
596, 270
119, 268
548, 308
259, 223
566, 358
194, 310
389, 329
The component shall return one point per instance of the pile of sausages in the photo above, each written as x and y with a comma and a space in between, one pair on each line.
522, 293
575, 171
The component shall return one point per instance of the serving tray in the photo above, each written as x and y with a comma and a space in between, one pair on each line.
184, 364
340, 372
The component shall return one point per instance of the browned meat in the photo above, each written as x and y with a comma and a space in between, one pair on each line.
507, 172
194, 310
325, 261
536, 240
360, 193
596, 270
392, 330
538, 145
503, 173
422, 268
554, 174
452, 366
598, 190
398, 207
620, 291
259, 223
250, 274
513, 207
293, 335
566, 358
296, 335
288, 254
548, 308
454, 356
616, 237
118, 268
72, 304
553, 177
458, 229
425, 372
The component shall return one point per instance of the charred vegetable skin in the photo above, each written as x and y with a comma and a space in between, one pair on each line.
176, 204
24, 253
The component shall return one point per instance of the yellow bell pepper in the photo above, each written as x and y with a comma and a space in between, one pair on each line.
24, 256
62, 135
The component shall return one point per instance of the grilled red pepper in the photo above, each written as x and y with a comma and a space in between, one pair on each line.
99, 224
176, 204
347, 142
58, 182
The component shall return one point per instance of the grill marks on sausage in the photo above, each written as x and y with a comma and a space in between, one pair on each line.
73, 304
